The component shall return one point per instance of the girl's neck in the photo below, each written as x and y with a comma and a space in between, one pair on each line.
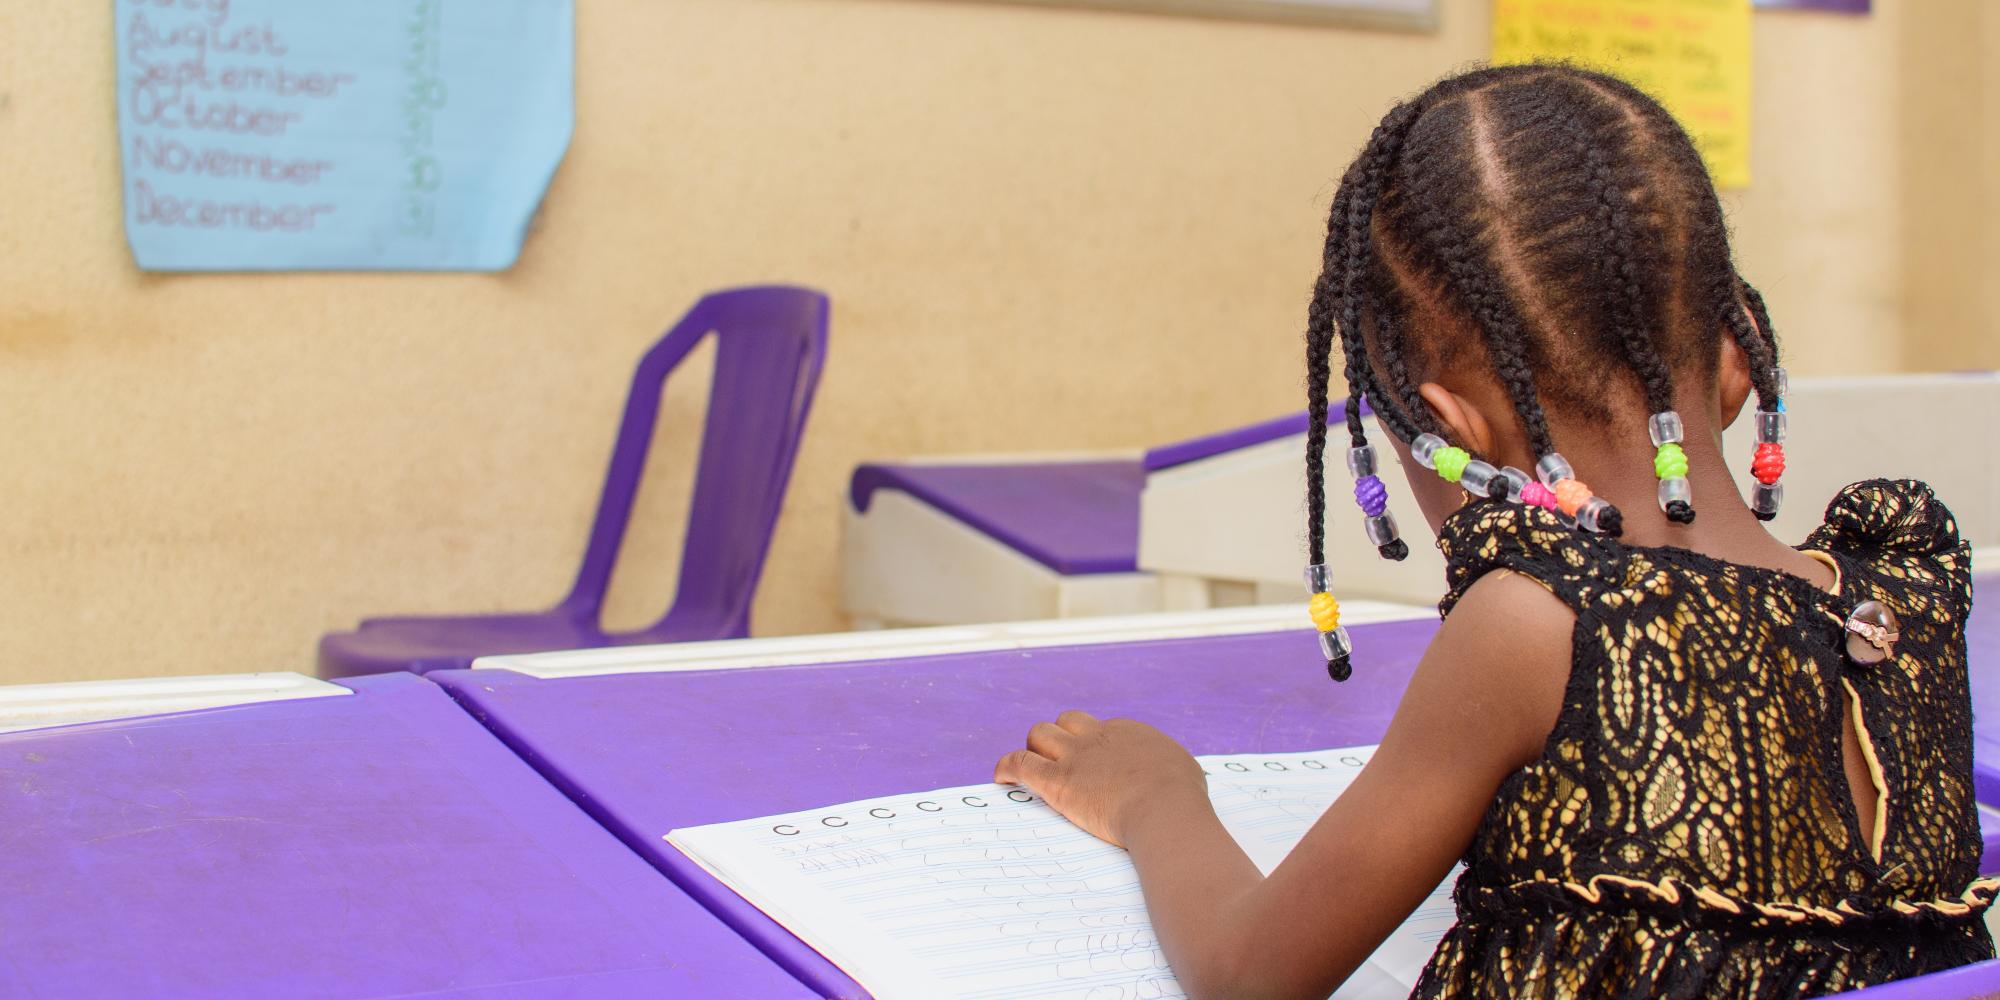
1724, 527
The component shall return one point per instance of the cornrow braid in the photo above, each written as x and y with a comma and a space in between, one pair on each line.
1478, 289
1621, 269
1368, 178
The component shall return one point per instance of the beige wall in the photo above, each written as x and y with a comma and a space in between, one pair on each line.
1041, 230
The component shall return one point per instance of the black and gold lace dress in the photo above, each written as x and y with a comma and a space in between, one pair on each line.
1688, 829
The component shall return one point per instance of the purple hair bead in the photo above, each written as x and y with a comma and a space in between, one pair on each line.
1371, 495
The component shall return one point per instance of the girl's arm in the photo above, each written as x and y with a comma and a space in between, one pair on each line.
1481, 705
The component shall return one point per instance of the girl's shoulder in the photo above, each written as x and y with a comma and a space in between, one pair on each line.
1892, 529
1903, 536
1484, 536
1891, 519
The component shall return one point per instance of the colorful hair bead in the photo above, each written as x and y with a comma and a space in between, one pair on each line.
1767, 465
1572, 499
1517, 484
1371, 496
1450, 463
1670, 464
1373, 499
1670, 461
1537, 495
1334, 643
1571, 495
1325, 612
1456, 465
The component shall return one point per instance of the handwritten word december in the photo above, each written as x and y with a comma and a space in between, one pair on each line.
151, 208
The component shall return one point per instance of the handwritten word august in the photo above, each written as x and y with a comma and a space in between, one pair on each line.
143, 37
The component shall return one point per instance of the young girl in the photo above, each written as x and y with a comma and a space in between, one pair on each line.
1678, 757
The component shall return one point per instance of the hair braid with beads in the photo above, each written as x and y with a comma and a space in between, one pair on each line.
1565, 225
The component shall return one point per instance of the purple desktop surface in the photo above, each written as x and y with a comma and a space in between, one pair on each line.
1970, 982
375, 845
649, 753
1211, 445
1982, 640
1073, 517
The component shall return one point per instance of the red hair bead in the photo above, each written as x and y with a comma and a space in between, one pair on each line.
1769, 462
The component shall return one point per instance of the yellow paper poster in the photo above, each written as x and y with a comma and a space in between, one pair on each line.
1693, 55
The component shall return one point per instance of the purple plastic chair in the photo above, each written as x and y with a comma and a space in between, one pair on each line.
770, 346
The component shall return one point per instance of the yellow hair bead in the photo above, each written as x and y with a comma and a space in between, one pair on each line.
1325, 612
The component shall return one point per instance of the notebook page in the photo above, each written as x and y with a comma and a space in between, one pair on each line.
983, 892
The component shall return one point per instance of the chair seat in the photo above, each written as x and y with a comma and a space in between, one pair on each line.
421, 645
424, 644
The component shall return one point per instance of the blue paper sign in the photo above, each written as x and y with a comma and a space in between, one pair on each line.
339, 134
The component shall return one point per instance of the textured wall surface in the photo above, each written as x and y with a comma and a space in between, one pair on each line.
1042, 229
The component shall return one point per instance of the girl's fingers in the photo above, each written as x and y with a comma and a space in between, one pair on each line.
1022, 767
1076, 722
1049, 740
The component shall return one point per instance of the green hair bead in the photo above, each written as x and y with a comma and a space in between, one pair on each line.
1670, 462
1450, 463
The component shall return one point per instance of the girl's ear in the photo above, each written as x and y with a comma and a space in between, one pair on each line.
1732, 379
1456, 412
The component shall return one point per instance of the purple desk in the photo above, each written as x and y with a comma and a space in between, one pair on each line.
649, 753
1970, 982
375, 845
1982, 640
1073, 517
653, 752
1211, 445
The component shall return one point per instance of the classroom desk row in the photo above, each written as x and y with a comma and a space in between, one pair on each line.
497, 832
949, 539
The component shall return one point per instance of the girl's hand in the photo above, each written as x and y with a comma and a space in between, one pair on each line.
1104, 775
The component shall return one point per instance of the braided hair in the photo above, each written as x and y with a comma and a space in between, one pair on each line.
1565, 221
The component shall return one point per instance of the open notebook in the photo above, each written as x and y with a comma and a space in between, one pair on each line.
985, 893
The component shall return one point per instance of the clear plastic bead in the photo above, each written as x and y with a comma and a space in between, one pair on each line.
1553, 469
1335, 644
1784, 383
1770, 426
1664, 428
1766, 498
1361, 461
1478, 477
1319, 579
1382, 529
1425, 446
1590, 515
1675, 488
1516, 482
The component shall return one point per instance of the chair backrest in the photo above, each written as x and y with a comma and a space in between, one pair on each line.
770, 347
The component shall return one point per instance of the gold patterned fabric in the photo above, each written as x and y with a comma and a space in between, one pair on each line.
1688, 830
